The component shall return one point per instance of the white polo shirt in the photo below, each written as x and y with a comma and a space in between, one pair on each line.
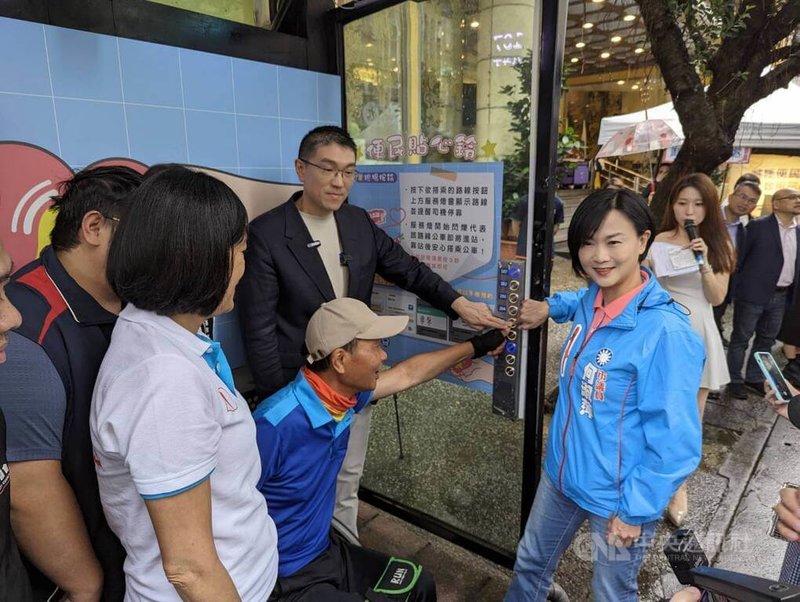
162, 421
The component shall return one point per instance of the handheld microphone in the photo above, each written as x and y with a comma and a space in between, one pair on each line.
691, 230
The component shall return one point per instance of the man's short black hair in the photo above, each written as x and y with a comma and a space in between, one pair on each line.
172, 253
101, 189
748, 184
325, 362
322, 136
747, 177
594, 209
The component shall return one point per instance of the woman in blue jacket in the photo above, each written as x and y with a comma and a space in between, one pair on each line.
625, 432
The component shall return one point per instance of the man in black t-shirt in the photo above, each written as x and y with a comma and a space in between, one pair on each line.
14, 585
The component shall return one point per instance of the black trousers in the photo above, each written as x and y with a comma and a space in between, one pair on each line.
343, 573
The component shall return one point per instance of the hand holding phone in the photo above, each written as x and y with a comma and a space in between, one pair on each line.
774, 376
785, 523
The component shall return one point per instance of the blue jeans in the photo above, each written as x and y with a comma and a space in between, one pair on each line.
765, 322
553, 521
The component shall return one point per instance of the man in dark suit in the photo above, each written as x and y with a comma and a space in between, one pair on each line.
766, 282
736, 213
315, 248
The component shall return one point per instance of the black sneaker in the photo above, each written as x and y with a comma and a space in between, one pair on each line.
737, 391
757, 388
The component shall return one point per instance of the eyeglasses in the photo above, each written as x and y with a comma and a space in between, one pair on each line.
746, 198
793, 197
110, 217
348, 174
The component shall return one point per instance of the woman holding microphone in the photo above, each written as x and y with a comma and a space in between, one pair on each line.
693, 258
625, 431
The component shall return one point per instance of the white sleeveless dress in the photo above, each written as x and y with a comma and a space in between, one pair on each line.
687, 289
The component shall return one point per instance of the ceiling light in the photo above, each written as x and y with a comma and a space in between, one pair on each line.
634, 87
369, 44
616, 39
597, 1
588, 25
605, 55
475, 24
629, 18
396, 69
620, 82
639, 50
580, 44
574, 59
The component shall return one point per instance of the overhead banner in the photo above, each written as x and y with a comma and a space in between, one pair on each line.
447, 215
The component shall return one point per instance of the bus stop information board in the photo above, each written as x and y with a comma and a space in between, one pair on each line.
448, 216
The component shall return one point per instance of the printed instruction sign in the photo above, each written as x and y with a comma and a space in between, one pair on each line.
447, 215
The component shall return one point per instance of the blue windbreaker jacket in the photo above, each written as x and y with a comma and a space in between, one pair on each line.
626, 431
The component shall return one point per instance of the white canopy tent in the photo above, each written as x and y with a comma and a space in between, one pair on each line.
773, 122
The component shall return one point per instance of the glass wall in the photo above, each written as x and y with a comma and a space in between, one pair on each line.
431, 82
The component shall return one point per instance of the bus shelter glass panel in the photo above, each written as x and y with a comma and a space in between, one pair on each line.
428, 88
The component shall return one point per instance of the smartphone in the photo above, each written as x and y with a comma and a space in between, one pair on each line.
774, 375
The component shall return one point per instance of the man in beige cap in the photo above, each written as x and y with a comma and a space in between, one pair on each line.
303, 431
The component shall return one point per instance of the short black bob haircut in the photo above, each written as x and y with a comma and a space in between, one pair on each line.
172, 254
594, 209
323, 136
101, 189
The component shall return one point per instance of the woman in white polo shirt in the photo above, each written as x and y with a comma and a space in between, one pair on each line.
174, 442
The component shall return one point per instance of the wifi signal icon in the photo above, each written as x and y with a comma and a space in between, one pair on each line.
30, 204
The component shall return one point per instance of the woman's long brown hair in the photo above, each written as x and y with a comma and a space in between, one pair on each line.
721, 253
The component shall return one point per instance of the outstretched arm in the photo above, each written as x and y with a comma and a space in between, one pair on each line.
425, 366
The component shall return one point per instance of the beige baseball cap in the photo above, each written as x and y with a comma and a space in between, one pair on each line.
338, 322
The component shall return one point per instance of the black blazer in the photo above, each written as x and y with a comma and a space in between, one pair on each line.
761, 262
285, 282
741, 237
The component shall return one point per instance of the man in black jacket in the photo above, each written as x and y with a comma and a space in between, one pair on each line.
315, 248
736, 214
765, 284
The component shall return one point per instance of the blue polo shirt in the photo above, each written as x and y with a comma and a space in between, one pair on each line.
302, 449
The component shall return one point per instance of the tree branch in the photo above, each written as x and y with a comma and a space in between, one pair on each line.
783, 53
733, 50
783, 24
780, 76
734, 105
683, 82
